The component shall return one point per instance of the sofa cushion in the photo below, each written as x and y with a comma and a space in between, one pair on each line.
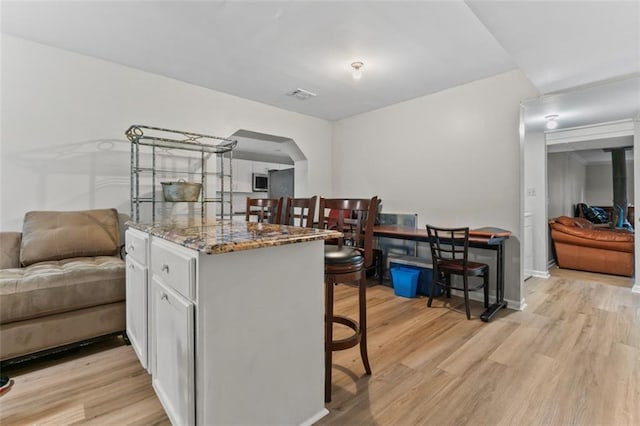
53, 287
10, 249
26, 337
62, 235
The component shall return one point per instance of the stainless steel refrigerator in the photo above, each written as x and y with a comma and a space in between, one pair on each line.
281, 183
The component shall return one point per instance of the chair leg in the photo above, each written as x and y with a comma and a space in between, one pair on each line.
436, 277
362, 302
328, 339
448, 281
486, 288
465, 281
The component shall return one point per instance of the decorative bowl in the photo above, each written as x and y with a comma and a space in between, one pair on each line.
181, 191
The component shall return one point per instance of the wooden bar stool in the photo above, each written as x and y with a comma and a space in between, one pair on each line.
346, 263
300, 211
450, 256
264, 210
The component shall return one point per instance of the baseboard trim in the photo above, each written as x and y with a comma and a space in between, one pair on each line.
311, 420
518, 306
636, 288
541, 274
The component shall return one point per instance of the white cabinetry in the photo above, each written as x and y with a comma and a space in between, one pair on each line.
137, 293
260, 167
173, 333
173, 378
236, 326
243, 173
263, 168
242, 170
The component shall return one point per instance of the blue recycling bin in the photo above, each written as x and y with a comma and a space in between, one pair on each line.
424, 281
405, 281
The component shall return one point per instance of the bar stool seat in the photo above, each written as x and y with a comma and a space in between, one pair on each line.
338, 255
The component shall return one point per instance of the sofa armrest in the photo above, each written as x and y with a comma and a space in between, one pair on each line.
10, 249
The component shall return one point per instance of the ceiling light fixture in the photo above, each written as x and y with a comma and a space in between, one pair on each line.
551, 121
357, 72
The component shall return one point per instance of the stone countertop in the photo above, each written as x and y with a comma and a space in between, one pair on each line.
228, 236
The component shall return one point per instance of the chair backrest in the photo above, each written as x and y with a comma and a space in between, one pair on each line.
449, 244
300, 211
353, 217
264, 210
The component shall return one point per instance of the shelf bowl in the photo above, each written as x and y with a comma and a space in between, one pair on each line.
181, 191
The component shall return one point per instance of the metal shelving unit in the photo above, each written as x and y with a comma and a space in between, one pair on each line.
153, 144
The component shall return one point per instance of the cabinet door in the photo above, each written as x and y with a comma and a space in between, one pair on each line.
173, 378
242, 170
260, 167
136, 297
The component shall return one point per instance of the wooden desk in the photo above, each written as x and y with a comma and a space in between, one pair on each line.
484, 238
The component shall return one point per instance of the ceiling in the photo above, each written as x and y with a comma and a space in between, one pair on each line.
599, 103
263, 50
593, 151
607, 102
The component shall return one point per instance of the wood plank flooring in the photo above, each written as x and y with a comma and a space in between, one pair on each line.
572, 357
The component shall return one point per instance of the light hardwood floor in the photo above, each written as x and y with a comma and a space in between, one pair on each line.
572, 357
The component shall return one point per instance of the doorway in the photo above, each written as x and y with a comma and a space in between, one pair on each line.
589, 114
266, 165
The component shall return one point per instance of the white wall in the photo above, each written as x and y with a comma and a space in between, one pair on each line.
64, 117
566, 183
452, 157
599, 189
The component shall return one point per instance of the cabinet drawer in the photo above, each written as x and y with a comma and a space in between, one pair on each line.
174, 266
136, 246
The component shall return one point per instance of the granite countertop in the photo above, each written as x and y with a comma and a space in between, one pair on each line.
228, 236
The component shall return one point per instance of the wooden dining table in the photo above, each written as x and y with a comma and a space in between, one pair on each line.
487, 238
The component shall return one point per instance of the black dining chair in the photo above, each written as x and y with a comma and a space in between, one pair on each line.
450, 256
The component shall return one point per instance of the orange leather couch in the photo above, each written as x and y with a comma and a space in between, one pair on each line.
581, 246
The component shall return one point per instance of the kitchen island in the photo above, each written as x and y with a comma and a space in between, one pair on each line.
228, 318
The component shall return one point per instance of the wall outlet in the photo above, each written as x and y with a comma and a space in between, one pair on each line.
531, 192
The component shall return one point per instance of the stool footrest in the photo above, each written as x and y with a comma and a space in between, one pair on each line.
347, 342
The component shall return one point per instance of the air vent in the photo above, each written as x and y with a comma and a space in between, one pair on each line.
301, 94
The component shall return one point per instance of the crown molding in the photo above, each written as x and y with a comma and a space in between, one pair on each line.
609, 129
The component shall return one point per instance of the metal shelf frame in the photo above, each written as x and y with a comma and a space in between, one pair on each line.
166, 140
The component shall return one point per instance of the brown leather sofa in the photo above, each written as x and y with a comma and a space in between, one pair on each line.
61, 281
579, 245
